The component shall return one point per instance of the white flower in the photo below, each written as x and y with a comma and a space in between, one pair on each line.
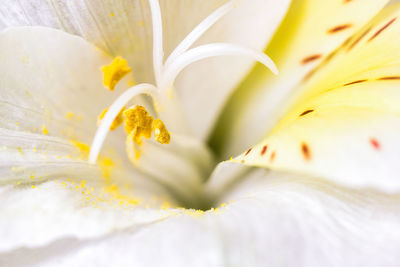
329, 195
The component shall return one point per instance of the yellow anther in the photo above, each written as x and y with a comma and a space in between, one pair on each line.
139, 123
114, 72
161, 133
117, 122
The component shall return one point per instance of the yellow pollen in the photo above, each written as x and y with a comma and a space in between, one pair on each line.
106, 166
69, 115
161, 133
114, 72
139, 123
84, 149
45, 130
117, 122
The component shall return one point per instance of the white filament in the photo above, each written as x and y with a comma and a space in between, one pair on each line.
158, 49
172, 70
180, 58
199, 30
113, 112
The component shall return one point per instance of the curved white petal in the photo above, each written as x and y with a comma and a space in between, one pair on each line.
32, 217
271, 222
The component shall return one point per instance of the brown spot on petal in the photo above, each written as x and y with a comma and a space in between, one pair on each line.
355, 82
310, 59
305, 150
264, 150
339, 28
375, 143
381, 29
306, 112
248, 151
242, 161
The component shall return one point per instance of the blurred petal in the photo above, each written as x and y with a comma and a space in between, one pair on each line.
310, 32
283, 222
345, 124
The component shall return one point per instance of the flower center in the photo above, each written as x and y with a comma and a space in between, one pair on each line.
165, 75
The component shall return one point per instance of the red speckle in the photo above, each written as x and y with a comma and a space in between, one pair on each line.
355, 82
375, 143
311, 58
306, 112
305, 149
381, 29
264, 150
248, 151
339, 28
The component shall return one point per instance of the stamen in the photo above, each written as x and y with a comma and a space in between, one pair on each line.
172, 70
139, 121
140, 124
114, 72
113, 112
161, 133
199, 30
158, 50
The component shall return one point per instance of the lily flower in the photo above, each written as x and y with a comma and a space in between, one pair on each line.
118, 119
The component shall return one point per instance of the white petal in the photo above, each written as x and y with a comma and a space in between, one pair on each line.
32, 217
252, 24
284, 222
45, 75
47, 78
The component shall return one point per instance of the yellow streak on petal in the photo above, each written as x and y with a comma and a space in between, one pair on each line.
114, 72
